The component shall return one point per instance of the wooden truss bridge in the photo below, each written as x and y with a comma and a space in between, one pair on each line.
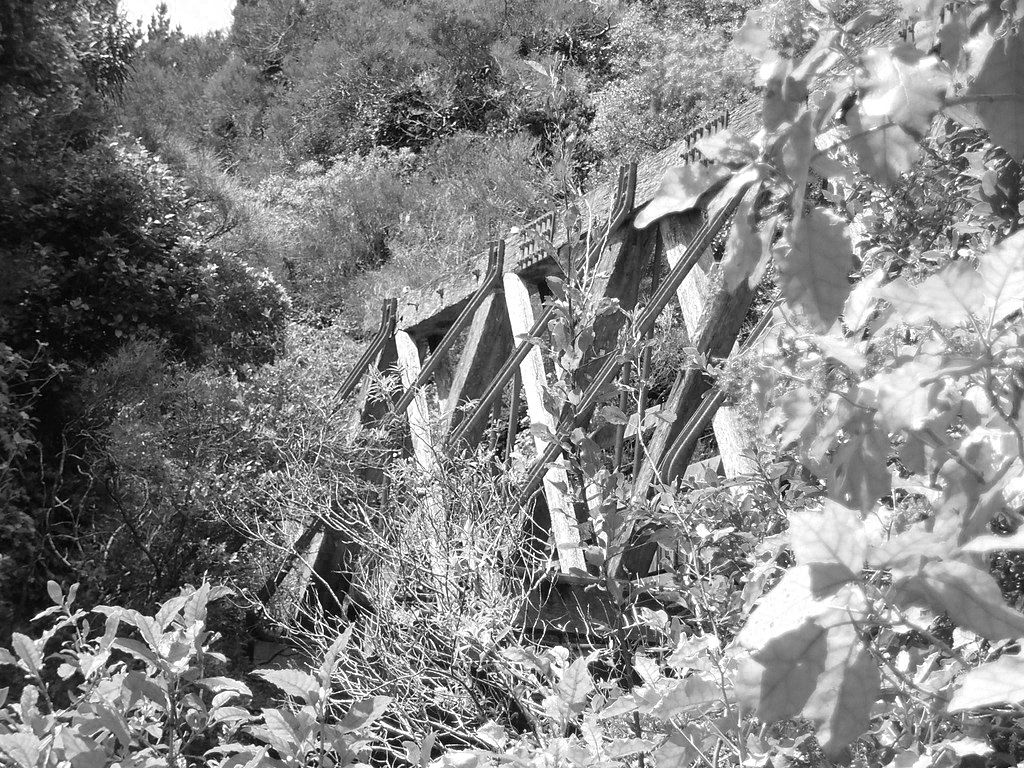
471, 335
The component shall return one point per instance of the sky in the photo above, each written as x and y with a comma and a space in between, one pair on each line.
195, 17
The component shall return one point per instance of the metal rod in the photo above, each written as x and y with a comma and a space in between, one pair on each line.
495, 261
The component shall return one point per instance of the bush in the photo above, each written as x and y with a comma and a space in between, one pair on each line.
203, 473
149, 690
104, 250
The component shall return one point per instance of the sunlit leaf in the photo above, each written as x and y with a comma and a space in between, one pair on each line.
1001, 274
293, 682
814, 265
743, 250
796, 154
687, 695
28, 653
993, 684
363, 713
753, 37
971, 597
999, 94
23, 748
728, 147
777, 679
992, 543
835, 534
862, 301
884, 150
903, 397
680, 190
675, 752
846, 690
218, 684
949, 297
903, 86
576, 683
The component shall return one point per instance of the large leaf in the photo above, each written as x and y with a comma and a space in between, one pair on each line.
992, 543
884, 150
833, 535
675, 752
814, 264
363, 713
753, 37
847, 689
778, 679
971, 597
682, 696
904, 397
948, 297
28, 652
22, 748
743, 250
859, 474
994, 684
793, 601
900, 91
680, 190
576, 683
293, 682
219, 684
999, 93
904, 86
728, 147
861, 303
1001, 276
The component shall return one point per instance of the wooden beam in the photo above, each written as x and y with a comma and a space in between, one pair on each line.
694, 295
717, 329
409, 366
488, 344
522, 314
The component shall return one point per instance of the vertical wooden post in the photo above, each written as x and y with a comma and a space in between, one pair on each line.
488, 343
522, 315
409, 364
694, 297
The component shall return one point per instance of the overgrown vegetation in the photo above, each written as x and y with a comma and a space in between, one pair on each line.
169, 416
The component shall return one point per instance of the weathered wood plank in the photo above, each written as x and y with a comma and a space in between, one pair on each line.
718, 327
522, 314
488, 343
409, 366
694, 296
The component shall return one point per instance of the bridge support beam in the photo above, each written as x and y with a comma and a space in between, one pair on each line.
522, 314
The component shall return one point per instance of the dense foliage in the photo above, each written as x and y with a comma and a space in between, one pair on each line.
102, 247
425, 128
857, 597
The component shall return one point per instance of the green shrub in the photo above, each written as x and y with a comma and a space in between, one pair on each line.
149, 690
105, 250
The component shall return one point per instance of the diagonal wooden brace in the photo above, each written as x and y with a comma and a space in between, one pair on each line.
389, 315
491, 279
